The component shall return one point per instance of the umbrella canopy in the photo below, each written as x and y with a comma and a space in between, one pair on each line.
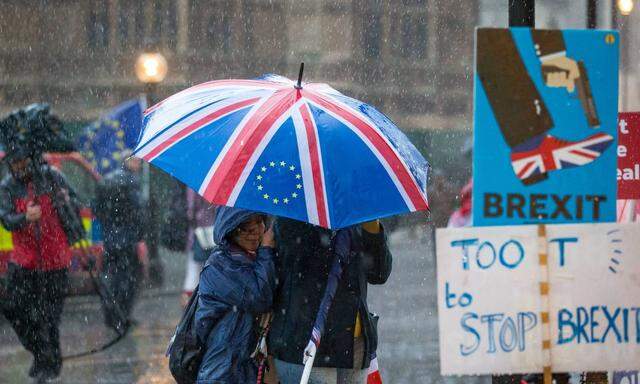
303, 151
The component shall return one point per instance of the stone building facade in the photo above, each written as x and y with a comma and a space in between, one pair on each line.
411, 58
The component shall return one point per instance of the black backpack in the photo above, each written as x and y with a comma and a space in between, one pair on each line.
185, 351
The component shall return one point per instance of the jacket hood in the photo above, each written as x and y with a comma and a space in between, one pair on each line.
227, 219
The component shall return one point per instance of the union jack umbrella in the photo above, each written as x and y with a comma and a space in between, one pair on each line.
299, 150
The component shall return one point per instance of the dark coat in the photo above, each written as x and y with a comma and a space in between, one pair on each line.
233, 291
118, 206
303, 265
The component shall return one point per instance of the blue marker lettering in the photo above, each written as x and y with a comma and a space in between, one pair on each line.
467, 350
582, 319
449, 298
492, 254
465, 244
625, 322
524, 328
611, 323
594, 324
520, 250
564, 320
561, 241
490, 319
508, 327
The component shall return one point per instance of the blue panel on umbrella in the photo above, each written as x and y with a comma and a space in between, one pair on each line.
190, 159
407, 151
275, 183
359, 187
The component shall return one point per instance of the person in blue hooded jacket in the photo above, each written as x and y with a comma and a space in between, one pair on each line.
236, 286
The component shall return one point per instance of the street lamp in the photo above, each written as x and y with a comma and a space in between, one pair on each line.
151, 68
625, 7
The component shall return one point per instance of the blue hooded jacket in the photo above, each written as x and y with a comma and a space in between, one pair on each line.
233, 291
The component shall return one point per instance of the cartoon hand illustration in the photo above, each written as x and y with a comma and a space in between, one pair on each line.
560, 71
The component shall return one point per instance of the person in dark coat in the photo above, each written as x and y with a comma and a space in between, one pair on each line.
37, 272
305, 259
118, 207
236, 286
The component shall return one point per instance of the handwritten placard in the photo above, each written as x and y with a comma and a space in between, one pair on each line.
490, 302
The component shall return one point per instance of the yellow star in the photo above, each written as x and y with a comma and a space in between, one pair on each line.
266, 196
272, 164
260, 187
299, 186
285, 200
282, 163
275, 201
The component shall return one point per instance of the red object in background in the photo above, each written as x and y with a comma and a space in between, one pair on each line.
628, 150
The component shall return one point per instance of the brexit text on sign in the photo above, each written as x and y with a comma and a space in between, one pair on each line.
545, 126
490, 302
629, 155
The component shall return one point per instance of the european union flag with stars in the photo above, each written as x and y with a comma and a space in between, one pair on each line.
104, 141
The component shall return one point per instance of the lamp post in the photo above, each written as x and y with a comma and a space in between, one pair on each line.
151, 68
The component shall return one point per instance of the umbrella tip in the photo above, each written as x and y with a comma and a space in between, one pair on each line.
299, 85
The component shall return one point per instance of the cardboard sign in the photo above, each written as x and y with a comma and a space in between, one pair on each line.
628, 155
545, 126
490, 301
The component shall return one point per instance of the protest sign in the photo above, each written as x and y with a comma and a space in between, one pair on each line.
545, 126
628, 173
492, 304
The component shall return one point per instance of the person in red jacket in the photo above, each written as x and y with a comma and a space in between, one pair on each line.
37, 272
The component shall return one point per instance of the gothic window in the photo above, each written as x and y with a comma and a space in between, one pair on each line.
97, 26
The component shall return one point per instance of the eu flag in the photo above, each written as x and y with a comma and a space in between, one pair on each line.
104, 140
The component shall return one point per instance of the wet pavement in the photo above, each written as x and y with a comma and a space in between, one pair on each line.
408, 348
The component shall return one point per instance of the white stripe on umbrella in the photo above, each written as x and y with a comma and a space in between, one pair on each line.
215, 85
305, 168
191, 125
317, 166
229, 143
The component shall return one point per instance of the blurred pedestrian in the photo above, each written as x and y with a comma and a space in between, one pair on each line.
236, 287
201, 215
37, 273
118, 207
305, 259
